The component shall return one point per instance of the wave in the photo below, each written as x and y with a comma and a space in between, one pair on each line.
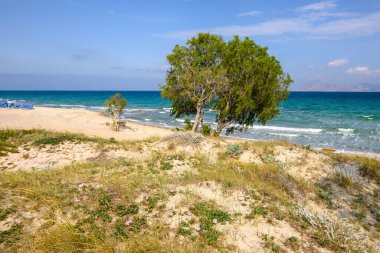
289, 129
68, 105
285, 135
148, 119
97, 107
141, 110
346, 130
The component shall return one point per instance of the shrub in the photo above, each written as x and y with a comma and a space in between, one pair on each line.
234, 149
206, 129
293, 243
188, 125
333, 232
327, 197
347, 175
270, 244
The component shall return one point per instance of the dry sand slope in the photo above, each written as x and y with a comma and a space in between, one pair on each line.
76, 121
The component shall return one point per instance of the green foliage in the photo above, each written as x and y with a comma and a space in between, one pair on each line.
152, 201
11, 235
208, 214
115, 107
268, 159
166, 165
119, 229
257, 210
270, 244
206, 129
188, 125
293, 243
131, 209
194, 76
58, 138
256, 86
5, 212
327, 197
234, 149
104, 200
7, 148
184, 229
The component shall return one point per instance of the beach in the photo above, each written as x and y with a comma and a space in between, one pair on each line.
76, 121
94, 123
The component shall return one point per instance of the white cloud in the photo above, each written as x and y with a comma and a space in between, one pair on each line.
337, 62
321, 6
363, 70
337, 29
249, 14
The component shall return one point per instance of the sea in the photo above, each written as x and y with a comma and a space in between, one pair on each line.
346, 121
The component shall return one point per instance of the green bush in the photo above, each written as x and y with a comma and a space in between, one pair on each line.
206, 129
188, 125
234, 149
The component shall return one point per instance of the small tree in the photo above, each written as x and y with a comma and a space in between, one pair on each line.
115, 106
194, 76
256, 85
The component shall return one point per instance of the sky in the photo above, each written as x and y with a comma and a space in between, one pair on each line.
122, 45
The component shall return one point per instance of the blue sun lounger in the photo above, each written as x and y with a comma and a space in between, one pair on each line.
15, 105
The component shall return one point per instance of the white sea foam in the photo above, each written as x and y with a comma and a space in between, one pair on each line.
148, 119
346, 130
162, 112
285, 135
141, 110
289, 129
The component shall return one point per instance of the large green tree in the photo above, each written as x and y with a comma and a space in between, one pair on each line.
195, 75
238, 79
256, 85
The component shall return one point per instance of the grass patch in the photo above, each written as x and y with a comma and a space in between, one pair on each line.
270, 244
368, 167
209, 215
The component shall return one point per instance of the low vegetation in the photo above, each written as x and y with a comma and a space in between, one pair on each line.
169, 195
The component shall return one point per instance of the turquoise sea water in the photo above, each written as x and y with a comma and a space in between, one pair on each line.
347, 121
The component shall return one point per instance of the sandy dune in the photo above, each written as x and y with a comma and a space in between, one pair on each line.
76, 121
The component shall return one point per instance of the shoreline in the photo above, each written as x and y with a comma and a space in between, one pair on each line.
93, 123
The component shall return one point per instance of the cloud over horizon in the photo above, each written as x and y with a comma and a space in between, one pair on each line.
337, 62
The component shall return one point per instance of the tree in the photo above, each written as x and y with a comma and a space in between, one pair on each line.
256, 85
115, 107
239, 80
195, 76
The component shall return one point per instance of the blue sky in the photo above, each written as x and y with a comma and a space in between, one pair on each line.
122, 45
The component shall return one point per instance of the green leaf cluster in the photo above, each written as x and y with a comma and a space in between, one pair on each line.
115, 106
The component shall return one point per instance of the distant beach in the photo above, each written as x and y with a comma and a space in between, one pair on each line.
349, 122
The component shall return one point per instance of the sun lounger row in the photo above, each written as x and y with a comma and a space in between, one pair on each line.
15, 105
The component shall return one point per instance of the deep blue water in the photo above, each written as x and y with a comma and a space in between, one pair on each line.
343, 120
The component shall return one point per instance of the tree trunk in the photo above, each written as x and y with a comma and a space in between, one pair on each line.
219, 129
198, 118
220, 126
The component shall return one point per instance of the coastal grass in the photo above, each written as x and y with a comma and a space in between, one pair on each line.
368, 167
87, 206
